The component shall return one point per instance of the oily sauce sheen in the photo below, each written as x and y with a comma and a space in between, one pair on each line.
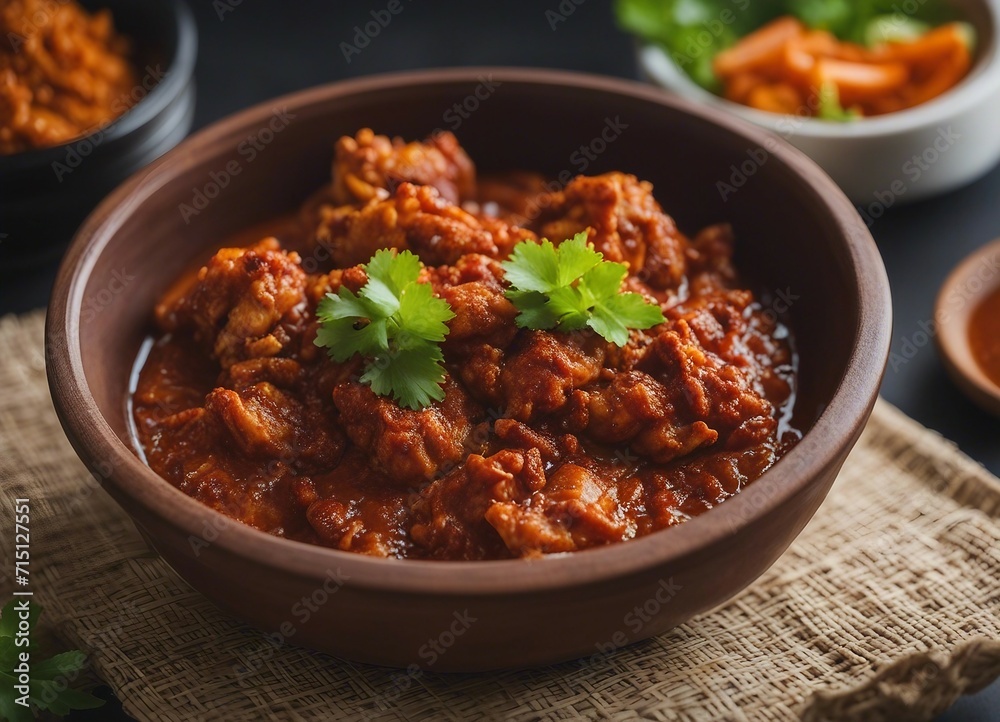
545, 442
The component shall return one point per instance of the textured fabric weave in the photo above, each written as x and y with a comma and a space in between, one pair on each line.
887, 607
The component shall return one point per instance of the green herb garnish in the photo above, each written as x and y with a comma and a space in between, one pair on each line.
396, 323
49, 679
572, 287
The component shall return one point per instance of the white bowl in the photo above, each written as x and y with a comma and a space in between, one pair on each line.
895, 158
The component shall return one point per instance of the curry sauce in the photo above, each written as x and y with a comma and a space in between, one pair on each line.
544, 442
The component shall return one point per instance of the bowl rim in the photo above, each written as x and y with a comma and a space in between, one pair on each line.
837, 426
177, 77
983, 80
953, 336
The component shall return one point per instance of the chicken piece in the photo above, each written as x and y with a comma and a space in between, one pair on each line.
626, 225
637, 409
544, 367
574, 510
260, 421
713, 391
409, 446
449, 515
710, 259
213, 479
370, 166
415, 218
260, 408
480, 372
243, 304
355, 510
282, 372
553, 448
679, 398
734, 327
474, 289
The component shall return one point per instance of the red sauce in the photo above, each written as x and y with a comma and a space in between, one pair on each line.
984, 336
545, 442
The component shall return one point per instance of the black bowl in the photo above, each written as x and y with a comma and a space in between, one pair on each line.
45, 194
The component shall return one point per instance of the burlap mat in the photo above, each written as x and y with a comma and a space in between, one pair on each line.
887, 607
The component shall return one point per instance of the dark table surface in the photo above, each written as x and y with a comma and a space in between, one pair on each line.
252, 51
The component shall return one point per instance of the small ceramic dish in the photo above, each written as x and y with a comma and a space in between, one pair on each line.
45, 194
972, 282
889, 159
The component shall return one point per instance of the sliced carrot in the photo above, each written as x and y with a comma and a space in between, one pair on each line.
860, 80
776, 98
760, 48
775, 67
821, 43
799, 56
946, 75
739, 86
936, 44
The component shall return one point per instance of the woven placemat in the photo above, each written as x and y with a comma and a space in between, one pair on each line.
887, 607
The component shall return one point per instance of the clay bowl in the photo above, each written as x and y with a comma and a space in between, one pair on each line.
798, 234
972, 281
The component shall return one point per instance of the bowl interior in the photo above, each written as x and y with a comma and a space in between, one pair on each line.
983, 15
799, 239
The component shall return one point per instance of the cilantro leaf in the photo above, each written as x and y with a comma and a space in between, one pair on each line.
534, 309
423, 315
394, 321
394, 270
49, 695
60, 664
571, 287
576, 258
413, 376
613, 317
48, 687
533, 267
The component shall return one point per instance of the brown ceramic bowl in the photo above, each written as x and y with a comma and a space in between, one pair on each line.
797, 235
966, 287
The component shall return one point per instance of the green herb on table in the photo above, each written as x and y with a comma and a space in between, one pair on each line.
572, 287
49, 679
396, 323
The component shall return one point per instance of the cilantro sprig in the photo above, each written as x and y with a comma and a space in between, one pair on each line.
571, 287
49, 679
396, 323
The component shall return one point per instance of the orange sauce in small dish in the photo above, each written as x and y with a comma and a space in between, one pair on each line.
984, 336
